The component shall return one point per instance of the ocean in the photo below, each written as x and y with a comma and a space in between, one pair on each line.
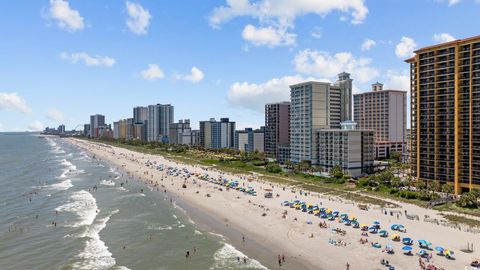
62, 209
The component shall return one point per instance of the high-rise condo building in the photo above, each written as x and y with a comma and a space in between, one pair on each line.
347, 147
140, 114
385, 112
86, 130
217, 134
96, 121
277, 127
316, 105
445, 113
159, 119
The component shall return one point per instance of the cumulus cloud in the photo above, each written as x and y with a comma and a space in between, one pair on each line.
12, 101
277, 18
55, 115
36, 126
405, 48
88, 60
368, 44
254, 96
152, 73
443, 37
67, 18
322, 64
269, 36
138, 18
195, 76
398, 80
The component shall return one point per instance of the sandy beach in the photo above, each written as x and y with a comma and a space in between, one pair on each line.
268, 232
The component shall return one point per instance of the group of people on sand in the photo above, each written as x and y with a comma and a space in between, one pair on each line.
281, 259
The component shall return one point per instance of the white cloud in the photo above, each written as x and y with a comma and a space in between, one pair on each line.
316, 32
285, 11
277, 17
138, 18
55, 115
269, 36
443, 37
368, 44
322, 64
88, 60
398, 80
12, 101
153, 72
453, 2
254, 96
195, 76
405, 48
36, 126
66, 17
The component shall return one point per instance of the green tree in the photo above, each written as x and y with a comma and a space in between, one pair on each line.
336, 172
468, 200
447, 188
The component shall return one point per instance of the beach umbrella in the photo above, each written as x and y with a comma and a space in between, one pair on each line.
395, 236
376, 222
448, 252
407, 248
344, 215
394, 227
383, 232
389, 247
439, 249
424, 243
421, 252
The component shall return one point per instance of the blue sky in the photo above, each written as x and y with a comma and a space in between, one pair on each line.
62, 61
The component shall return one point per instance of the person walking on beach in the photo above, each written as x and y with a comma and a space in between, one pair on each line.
348, 266
283, 258
187, 254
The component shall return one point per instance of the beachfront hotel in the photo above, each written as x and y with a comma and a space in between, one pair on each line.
96, 121
385, 112
445, 113
160, 117
277, 127
217, 134
314, 106
348, 147
249, 140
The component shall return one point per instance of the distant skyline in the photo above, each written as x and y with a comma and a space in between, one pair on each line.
62, 61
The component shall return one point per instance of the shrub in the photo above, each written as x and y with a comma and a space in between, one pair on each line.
273, 168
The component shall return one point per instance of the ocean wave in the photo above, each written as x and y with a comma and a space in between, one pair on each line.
226, 258
122, 189
68, 164
159, 228
108, 183
84, 205
64, 185
197, 232
96, 255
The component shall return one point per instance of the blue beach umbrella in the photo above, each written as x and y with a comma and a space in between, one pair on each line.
407, 248
376, 222
439, 249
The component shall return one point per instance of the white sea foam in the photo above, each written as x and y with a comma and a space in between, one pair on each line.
226, 258
198, 232
108, 183
84, 205
96, 255
122, 189
64, 185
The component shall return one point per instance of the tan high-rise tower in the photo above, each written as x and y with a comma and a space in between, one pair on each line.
445, 113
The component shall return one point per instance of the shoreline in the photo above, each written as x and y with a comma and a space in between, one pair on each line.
304, 244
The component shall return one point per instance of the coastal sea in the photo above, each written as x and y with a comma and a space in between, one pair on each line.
62, 209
